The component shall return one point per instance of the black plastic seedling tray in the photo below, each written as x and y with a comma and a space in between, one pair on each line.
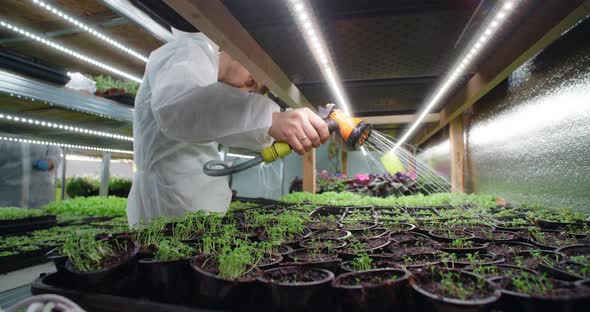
27, 224
54, 284
23, 260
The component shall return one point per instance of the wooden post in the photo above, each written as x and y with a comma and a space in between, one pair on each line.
344, 161
309, 172
457, 155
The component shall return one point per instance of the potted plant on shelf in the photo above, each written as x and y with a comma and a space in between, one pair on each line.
372, 290
441, 289
298, 288
165, 276
101, 265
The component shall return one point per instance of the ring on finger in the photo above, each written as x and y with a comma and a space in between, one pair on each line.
304, 138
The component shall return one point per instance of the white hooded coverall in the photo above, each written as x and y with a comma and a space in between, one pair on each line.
22, 185
182, 113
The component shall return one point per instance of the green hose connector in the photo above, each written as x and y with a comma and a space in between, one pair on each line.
273, 152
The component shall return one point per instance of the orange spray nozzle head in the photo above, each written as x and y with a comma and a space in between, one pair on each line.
354, 131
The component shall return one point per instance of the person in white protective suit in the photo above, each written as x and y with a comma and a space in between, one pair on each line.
27, 173
192, 99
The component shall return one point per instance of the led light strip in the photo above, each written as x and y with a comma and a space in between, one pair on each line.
308, 26
82, 147
68, 51
90, 30
54, 125
462, 65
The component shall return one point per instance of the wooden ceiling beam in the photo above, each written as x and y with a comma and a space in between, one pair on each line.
400, 119
547, 21
216, 21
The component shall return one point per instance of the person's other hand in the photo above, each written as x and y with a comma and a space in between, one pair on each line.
43, 165
301, 128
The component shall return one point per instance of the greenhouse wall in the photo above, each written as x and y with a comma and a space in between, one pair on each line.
528, 139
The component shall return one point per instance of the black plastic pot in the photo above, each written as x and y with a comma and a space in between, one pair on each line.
359, 226
334, 234
295, 242
323, 243
369, 234
424, 300
500, 269
570, 298
574, 250
166, 281
285, 250
270, 261
417, 261
560, 272
379, 262
386, 295
315, 258
375, 245
308, 295
485, 259
399, 227
58, 260
213, 291
117, 280
530, 262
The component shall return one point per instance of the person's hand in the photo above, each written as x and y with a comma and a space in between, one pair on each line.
301, 128
43, 165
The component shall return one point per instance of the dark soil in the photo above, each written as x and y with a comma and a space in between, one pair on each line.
505, 249
294, 275
555, 239
581, 250
422, 259
399, 251
490, 271
358, 226
398, 227
323, 224
366, 234
495, 235
323, 243
311, 255
367, 245
449, 234
331, 234
479, 259
529, 261
371, 278
400, 237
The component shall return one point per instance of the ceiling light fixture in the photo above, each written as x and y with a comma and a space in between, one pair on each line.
307, 24
461, 68
74, 146
89, 29
68, 51
55, 125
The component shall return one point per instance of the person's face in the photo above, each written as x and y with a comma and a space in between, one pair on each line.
234, 74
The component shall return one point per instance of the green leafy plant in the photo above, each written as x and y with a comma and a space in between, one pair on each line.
88, 254
532, 284
104, 83
362, 263
15, 213
171, 249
